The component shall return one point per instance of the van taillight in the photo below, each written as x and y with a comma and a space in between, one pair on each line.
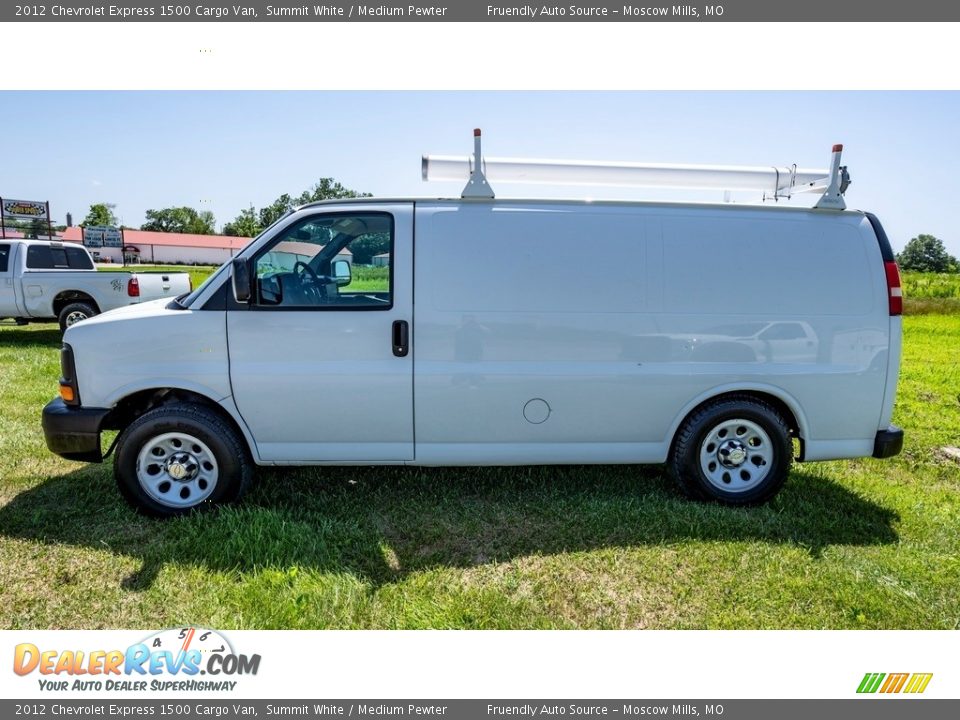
894, 289
133, 287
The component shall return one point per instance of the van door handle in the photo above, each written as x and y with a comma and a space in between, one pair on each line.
401, 338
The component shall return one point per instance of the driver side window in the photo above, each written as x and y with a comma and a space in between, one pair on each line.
329, 261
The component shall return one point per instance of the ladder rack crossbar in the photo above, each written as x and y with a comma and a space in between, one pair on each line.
769, 179
479, 172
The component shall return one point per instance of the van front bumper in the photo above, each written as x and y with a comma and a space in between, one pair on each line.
888, 442
73, 432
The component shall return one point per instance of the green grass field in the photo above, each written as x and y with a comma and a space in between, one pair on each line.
859, 544
931, 293
932, 285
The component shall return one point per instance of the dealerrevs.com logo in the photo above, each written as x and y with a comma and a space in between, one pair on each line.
891, 683
181, 659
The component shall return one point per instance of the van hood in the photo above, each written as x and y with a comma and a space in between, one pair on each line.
140, 311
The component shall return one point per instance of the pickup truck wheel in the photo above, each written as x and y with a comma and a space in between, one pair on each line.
179, 458
74, 313
735, 451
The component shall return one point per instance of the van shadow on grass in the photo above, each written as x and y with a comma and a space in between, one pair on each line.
380, 524
30, 336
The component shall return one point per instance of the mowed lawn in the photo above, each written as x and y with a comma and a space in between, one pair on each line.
860, 544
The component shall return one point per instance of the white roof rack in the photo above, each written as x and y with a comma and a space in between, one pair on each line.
774, 182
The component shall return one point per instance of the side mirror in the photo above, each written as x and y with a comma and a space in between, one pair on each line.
242, 285
341, 273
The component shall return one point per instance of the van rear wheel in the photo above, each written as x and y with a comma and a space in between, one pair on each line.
735, 450
181, 457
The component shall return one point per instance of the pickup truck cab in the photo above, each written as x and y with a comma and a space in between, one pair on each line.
502, 332
50, 281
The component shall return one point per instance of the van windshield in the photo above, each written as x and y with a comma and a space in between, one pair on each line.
185, 301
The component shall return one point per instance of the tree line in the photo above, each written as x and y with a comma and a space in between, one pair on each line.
924, 253
250, 222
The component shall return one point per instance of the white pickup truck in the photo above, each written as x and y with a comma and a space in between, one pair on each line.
46, 281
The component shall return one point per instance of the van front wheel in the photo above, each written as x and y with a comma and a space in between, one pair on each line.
181, 457
735, 450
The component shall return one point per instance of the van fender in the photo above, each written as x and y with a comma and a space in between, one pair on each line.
233, 411
778, 392
225, 402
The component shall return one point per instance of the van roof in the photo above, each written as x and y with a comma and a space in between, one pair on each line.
773, 207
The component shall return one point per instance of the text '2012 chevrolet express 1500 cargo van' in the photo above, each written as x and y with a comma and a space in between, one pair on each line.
46, 281
714, 337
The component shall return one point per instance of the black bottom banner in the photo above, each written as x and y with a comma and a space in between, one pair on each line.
868, 708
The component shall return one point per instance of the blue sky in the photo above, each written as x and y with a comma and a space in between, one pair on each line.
222, 151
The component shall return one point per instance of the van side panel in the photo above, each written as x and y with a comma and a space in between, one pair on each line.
518, 310
548, 332
802, 297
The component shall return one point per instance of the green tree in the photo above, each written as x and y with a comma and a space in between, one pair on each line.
275, 210
36, 229
180, 220
327, 189
926, 253
251, 222
366, 246
101, 214
245, 224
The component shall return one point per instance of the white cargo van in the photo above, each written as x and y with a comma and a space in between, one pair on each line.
721, 339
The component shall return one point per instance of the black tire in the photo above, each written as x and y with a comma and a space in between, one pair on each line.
70, 314
700, 428
234, 467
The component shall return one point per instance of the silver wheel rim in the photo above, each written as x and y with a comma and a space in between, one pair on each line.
736, 455
177, 470
75, 317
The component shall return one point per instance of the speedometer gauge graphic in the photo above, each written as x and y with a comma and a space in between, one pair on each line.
184, 639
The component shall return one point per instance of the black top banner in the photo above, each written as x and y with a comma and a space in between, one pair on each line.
480, 11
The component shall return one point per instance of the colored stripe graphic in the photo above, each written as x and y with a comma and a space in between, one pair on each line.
870, 682
894, 683
918, 683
